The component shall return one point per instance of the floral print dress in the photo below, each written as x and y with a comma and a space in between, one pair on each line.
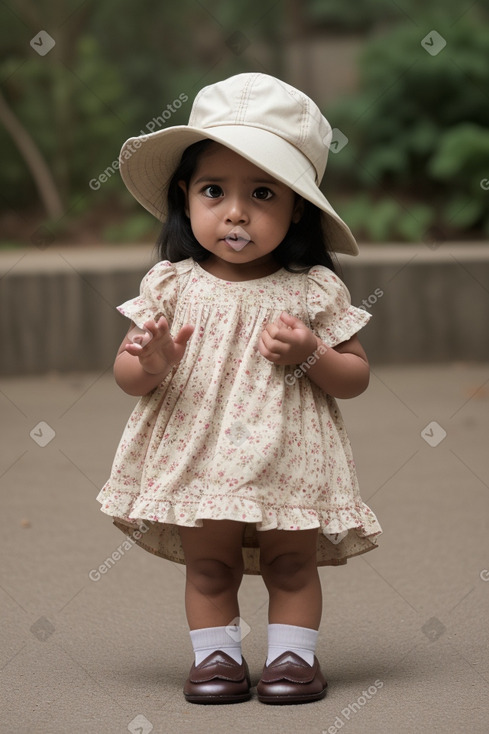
230, 435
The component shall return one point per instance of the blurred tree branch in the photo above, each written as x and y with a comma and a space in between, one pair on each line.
34, 160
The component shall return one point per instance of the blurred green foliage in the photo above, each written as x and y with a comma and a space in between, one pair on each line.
115, 68
418, 135
361, 15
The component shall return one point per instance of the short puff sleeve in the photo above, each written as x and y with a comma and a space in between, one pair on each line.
331, 314
157, 296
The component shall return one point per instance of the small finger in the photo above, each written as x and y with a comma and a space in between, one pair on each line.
133, 349
154, 327
292, 322
162, 323
283, 335
266, 340
271, 329
184, 334
269, 347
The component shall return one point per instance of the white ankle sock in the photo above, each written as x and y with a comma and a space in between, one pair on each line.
284, 637
210, 639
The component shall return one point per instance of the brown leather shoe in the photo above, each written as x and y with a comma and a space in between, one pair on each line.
289, 679
218, 679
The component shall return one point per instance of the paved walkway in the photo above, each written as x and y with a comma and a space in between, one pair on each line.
404, 637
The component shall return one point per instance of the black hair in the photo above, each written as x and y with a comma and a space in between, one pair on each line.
301, 249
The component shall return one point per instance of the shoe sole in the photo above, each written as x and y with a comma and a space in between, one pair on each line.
218, 699
284, 700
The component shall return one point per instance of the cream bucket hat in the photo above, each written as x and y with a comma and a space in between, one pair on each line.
263, 119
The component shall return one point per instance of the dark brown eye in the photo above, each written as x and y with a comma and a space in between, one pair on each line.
262, 193
212, 192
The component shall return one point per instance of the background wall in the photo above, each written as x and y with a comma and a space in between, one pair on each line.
58, 307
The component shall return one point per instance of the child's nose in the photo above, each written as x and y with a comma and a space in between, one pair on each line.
237, 212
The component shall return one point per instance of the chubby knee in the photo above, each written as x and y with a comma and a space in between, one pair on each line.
288, 571
213, 577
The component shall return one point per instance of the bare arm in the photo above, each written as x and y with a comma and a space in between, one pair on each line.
139, 369
342, 371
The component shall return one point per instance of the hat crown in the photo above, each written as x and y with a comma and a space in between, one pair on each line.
260, 100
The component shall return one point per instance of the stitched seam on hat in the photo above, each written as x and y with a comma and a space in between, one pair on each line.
299, 100
302, 121
305, 116
244, 100
305, 113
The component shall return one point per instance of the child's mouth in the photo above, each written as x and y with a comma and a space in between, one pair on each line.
237, 239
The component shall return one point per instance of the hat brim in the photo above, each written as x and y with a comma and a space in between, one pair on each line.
147, 164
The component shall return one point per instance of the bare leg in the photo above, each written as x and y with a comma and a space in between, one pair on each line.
214, 563
289, 570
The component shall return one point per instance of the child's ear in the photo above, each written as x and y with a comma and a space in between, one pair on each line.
298, 210
183, 186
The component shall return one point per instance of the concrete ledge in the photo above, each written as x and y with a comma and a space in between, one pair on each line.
57, 306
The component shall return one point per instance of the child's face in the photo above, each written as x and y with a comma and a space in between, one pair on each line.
237, 211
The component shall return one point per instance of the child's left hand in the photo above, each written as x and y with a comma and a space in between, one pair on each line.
287, 341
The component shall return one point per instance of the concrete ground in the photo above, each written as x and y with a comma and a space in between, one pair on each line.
404, 637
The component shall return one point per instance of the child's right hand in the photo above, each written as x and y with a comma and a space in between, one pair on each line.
161, 352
